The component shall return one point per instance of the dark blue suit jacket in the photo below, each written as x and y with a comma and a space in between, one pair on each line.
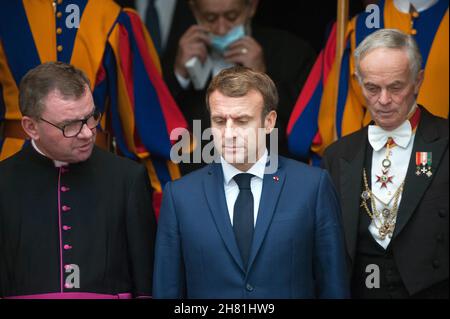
297, 249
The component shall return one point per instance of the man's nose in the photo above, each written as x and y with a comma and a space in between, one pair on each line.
385, 97
222, 26
230, 130
85, 132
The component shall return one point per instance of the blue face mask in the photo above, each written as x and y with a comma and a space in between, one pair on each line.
221, 43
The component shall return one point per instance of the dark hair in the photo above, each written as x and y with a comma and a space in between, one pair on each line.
237, 81
39, 82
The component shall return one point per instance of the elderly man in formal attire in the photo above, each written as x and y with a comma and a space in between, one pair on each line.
392, 178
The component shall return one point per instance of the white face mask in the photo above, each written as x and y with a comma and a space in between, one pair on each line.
221, 43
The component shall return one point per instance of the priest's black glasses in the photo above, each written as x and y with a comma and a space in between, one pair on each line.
73, 128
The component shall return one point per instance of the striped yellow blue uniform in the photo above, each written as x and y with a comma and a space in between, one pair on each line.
326, 110
113, 48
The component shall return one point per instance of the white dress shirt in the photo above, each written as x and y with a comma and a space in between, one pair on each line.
400, 155
256, 184
218, 64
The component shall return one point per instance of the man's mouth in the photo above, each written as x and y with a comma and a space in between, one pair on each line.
385, 113
85, 147
232, 148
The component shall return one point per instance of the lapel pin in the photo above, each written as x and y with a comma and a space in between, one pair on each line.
276, 178
423, 164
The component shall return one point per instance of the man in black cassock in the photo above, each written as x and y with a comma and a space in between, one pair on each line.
75, 221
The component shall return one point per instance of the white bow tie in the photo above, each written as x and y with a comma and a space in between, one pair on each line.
378, 137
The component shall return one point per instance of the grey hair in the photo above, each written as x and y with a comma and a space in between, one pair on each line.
391, 39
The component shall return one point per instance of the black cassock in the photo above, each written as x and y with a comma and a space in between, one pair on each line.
83, 228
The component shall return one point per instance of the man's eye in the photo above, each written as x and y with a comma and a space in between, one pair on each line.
232, 16
219, 121
66, 123
211, 18
396, 88
372, 89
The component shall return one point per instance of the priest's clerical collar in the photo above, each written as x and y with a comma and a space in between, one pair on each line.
57, 163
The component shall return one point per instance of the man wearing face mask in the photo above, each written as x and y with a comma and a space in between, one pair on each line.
225, 36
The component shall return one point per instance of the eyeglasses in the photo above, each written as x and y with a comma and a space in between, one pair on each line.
74, 128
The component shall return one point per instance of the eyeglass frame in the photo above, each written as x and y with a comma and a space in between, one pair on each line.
83, 122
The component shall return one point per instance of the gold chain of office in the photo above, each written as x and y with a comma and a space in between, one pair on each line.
386, 225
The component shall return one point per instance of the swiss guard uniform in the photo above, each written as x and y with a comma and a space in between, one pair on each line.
113, 48
393, 187
326, 110
83, 230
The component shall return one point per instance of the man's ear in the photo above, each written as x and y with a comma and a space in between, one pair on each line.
29, 125
419, 81
356, 78
193, 7
253, 6
270, 121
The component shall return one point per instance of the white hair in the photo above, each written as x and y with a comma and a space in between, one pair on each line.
391, 39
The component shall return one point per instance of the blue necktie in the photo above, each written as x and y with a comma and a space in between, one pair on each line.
243, 215
152, 23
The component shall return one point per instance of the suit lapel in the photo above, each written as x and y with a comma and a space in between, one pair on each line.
215, 195
272, 186
426, 140
350, 189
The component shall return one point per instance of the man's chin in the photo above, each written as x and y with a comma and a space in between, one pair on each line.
84, 154
388, 124
239, 158
234, 157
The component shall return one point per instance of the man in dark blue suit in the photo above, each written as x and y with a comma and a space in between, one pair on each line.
253, 224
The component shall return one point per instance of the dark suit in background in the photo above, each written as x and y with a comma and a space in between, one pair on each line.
182, 19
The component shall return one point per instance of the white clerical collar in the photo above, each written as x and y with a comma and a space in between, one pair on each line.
258, 169
419, 5
57, 163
